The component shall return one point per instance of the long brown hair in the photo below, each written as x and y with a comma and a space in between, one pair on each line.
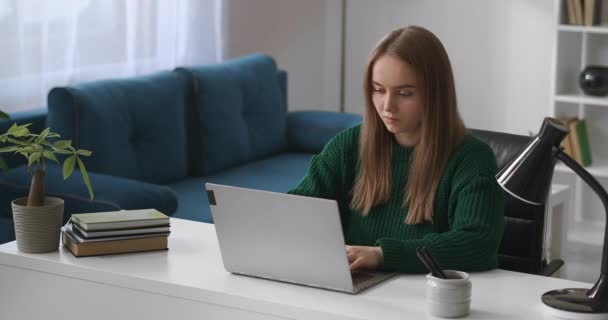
442, 129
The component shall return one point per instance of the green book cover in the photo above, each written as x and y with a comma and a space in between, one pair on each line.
583, 137
119, 219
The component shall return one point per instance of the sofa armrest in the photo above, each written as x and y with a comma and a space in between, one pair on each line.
72, 203
113, 192
36, 117
309, 131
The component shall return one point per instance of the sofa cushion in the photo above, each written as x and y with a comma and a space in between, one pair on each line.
279, 173
120, 193
135, 127
241, 111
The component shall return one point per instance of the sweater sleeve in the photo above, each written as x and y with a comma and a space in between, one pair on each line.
323, 178
471, 243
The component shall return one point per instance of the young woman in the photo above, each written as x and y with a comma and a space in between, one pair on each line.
411, 175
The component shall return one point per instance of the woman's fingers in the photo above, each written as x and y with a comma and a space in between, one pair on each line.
351, 255
356, 264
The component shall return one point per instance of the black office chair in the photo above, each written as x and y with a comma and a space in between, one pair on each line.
521, 248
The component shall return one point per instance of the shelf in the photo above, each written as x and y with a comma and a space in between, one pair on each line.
581, 99
598, 170
583, 29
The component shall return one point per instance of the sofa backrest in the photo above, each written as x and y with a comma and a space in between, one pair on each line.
135, 127
239, 112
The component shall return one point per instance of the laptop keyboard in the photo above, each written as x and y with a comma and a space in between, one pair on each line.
359, 277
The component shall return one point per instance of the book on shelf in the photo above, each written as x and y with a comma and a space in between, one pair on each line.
75, 234
123, 219
576, 143
592, 12
578, 11
113, 247
583, 141
583, 12
570, 11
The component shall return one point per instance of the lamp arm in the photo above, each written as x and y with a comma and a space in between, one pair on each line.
600, 289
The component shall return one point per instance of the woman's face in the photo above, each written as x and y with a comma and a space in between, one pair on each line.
397, 95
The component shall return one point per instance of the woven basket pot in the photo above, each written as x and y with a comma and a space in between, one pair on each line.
37, 229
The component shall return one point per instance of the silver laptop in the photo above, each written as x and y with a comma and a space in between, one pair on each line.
284, 237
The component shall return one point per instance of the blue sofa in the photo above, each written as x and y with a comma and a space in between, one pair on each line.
157, 139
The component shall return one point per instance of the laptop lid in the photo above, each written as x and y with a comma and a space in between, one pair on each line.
279, 236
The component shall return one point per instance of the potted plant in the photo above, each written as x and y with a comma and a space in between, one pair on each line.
38, 218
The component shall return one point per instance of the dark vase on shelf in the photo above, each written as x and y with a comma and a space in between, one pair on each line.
594, 80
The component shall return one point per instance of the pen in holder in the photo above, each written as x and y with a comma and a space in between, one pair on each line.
448, 293
424, 254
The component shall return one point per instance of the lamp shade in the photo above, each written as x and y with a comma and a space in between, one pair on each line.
527, 177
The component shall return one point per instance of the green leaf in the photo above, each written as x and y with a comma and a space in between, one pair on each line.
62, 144
85, 177
34, 157
22, 132
50, 155
83, 152
43, 135
60, 151
68, 166
28, 149
4, 115
17, 142
19, 131
12, 128
9, 149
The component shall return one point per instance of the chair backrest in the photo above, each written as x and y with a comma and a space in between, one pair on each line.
522, 242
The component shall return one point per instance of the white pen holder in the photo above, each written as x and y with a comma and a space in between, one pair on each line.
451, 297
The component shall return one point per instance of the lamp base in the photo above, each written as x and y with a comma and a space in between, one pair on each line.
573, 304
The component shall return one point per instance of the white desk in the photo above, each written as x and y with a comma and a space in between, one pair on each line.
189, 282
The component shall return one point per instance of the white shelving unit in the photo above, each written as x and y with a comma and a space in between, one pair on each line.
575, 48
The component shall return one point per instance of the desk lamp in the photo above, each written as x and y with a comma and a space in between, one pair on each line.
528, 178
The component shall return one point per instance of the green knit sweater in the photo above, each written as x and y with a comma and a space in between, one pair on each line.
468, 210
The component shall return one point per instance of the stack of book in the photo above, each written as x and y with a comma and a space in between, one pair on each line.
584, 12
576, 144
91, 234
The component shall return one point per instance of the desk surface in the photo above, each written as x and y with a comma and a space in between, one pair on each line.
192, 269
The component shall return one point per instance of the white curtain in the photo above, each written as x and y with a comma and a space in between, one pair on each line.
47, 43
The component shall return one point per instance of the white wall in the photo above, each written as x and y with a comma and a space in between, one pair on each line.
501, 53
302, 36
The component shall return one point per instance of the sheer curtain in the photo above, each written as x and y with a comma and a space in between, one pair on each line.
51, 43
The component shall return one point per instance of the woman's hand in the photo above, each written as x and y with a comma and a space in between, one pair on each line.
360, 257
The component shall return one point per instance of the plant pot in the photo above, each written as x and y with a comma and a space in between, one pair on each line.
37, 229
